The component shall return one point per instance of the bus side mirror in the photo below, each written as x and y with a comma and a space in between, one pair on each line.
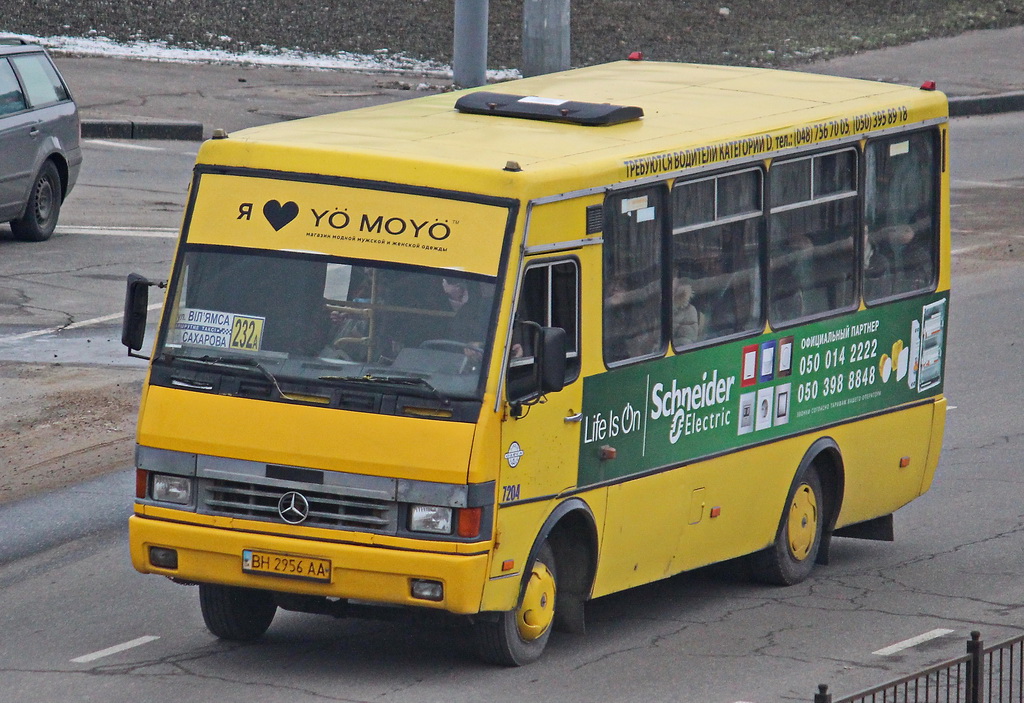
551, 360
136, 308
543, 349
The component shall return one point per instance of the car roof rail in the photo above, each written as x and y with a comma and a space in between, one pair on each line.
13, 41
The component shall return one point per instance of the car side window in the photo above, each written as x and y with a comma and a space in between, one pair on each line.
42, 84
11, 97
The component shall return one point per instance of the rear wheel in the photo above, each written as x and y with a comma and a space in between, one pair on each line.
519, 636
43, 207
240, 614
791, 558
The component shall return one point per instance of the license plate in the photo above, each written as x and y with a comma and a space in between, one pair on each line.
286, 565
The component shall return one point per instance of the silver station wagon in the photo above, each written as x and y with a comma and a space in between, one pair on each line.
40, 151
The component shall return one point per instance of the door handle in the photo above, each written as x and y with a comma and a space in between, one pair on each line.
578, 417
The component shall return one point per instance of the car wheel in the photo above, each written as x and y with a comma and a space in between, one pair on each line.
239, 614
43, 207
519, 636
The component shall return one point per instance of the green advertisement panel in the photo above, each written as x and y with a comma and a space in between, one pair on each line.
707, 401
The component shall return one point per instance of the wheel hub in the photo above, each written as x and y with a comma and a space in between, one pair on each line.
536, 613
803, 522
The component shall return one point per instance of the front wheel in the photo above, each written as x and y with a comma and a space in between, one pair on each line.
519, 636
43, 207
791, 558
238, 614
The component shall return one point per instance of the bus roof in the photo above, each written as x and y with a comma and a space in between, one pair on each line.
751, 111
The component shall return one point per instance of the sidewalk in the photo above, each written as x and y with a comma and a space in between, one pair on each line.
980, 71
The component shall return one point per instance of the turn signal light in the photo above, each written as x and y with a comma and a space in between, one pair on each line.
469, 522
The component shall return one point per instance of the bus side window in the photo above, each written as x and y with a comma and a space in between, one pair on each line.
633, 274
716, 255
811, 235
549, 297
900, 227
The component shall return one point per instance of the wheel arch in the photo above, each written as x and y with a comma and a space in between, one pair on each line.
571, 532
827, 459
62, 171
824, 454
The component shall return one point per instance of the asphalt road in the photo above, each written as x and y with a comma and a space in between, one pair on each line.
76, 622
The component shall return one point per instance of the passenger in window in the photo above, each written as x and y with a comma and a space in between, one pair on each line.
898, 259
791, 275
685, 318
724, 290
350, 325
631, 330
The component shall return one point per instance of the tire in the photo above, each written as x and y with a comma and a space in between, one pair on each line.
791, 558
238, 614
519, 636
43, 207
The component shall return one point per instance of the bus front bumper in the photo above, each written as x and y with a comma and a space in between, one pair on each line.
213, 555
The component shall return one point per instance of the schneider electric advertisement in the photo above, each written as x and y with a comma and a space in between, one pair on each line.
707, 401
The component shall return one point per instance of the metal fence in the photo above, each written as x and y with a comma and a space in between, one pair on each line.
983, 675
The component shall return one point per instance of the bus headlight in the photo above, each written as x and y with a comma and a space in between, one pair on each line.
172, 489
431, 518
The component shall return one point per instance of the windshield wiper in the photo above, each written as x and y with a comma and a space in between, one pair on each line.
415, 381
237, 361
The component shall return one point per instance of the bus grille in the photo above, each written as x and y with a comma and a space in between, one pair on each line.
331, 510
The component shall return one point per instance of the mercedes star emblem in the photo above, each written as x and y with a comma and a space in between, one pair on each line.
293, 507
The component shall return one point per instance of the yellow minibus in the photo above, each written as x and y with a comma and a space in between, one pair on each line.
499, 352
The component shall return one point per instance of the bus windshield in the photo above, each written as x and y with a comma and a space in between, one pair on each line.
311, 319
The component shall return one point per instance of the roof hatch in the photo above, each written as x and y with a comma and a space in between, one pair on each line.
531, 107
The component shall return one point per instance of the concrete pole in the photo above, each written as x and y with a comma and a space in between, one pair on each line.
469, 55
545, 36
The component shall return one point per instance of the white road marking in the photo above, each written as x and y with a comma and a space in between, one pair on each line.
72, 326
159, 232
122, 145
973, 247
984, 184
138, 642
986, 245
912, 642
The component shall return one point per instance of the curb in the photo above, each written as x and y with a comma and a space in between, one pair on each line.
986, 104
142, 129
